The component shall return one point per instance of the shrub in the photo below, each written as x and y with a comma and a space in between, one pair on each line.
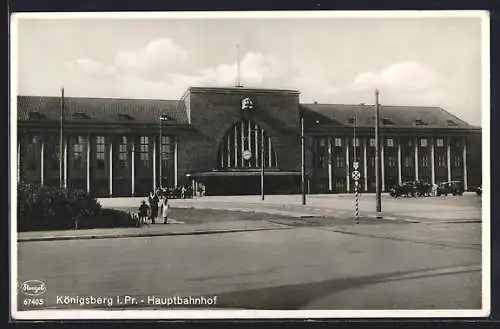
54, 208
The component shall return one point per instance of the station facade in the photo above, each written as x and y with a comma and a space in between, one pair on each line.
221, 136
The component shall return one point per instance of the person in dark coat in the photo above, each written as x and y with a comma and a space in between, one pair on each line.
153, 204
143, 212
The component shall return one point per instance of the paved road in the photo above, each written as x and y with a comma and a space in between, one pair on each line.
390, 266
425, 209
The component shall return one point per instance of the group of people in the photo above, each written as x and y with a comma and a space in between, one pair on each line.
157, 207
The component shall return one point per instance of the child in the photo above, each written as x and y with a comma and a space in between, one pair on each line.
143, 212
165, 209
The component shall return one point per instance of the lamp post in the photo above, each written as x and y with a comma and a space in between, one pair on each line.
377, 159
262, 164
61, 142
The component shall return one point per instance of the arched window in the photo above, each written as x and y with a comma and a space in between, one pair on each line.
241, 148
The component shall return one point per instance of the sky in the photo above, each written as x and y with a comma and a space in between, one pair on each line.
412, 61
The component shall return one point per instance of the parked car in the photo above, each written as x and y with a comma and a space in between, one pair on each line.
405, 188
479, 190
453, 187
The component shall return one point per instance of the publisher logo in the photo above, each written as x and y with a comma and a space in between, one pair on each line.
33, 288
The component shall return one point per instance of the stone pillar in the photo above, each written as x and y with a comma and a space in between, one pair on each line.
110, 166
416, 158
88, 163
154, 162
18, 161
464, 154
42, 158
365, 164
400, 169
382, 163
175, 160
235, 146
270, 152
330, 173
347, 169
448, 157
65, 173
433, 164
133, 165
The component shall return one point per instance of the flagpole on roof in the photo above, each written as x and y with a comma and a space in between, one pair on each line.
61, 140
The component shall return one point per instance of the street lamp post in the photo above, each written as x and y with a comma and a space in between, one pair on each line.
162, 118
303, 153
262, 163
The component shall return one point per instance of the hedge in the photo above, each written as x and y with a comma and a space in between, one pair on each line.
54, 208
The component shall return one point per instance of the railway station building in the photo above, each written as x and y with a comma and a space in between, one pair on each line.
219, 137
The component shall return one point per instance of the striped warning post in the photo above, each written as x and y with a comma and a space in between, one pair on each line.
357, 206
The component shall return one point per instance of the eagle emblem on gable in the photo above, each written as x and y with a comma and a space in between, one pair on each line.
247, 104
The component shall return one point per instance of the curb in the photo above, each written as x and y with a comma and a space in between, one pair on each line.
142, 235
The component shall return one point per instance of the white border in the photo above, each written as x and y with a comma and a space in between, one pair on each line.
263, 314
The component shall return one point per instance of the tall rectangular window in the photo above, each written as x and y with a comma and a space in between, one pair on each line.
54, 145
356, 142
339, 161
100, 152
408, 161
165, 149
425, 161
457, 160
441, 161
31, 152
390, 142
144, 151
391, 161
372, 142
78, 152
423, 142
440, 142
123, 152
338, 142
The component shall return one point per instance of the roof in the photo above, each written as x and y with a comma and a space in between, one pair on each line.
100, 109
390, 116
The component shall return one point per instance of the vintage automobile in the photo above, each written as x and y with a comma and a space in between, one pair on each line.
453, 187
404, 189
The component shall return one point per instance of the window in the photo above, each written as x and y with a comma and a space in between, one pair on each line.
372, 142
54, 153
356, 141
441, 161
338, 142
419, 122
425, 161
423, 142
31, 152
457, 161
372, 161
340, 162
407, 162
322, 142
390, 142
386, 121
123, 152
144, 151
165, 149
78, 152
321, 161
100, 155
440, 142
391, 161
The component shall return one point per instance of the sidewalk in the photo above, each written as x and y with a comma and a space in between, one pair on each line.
152, 230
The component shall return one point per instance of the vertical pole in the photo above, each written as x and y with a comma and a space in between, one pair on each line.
154, 162
377, 158
242, 135
133, 164
249, 138
270, 159
347, 169
88, 164
262, 164
256, 151
228, 151
61, 142
161, 153
235, 146
357, 204
365, 164
42, 158
433, 165
354, 141
464, 150
330, 174
400, 172
18, 161
111, 166
382, 161
303, 157
448, 157
65, 165
175, 160
416, 158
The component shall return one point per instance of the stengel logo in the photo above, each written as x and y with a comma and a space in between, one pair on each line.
33, 288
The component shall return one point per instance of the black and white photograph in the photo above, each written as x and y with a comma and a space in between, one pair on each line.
230, 165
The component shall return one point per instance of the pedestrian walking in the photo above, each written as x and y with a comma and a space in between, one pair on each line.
165, 210
183, 192
153, 205
143, 212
